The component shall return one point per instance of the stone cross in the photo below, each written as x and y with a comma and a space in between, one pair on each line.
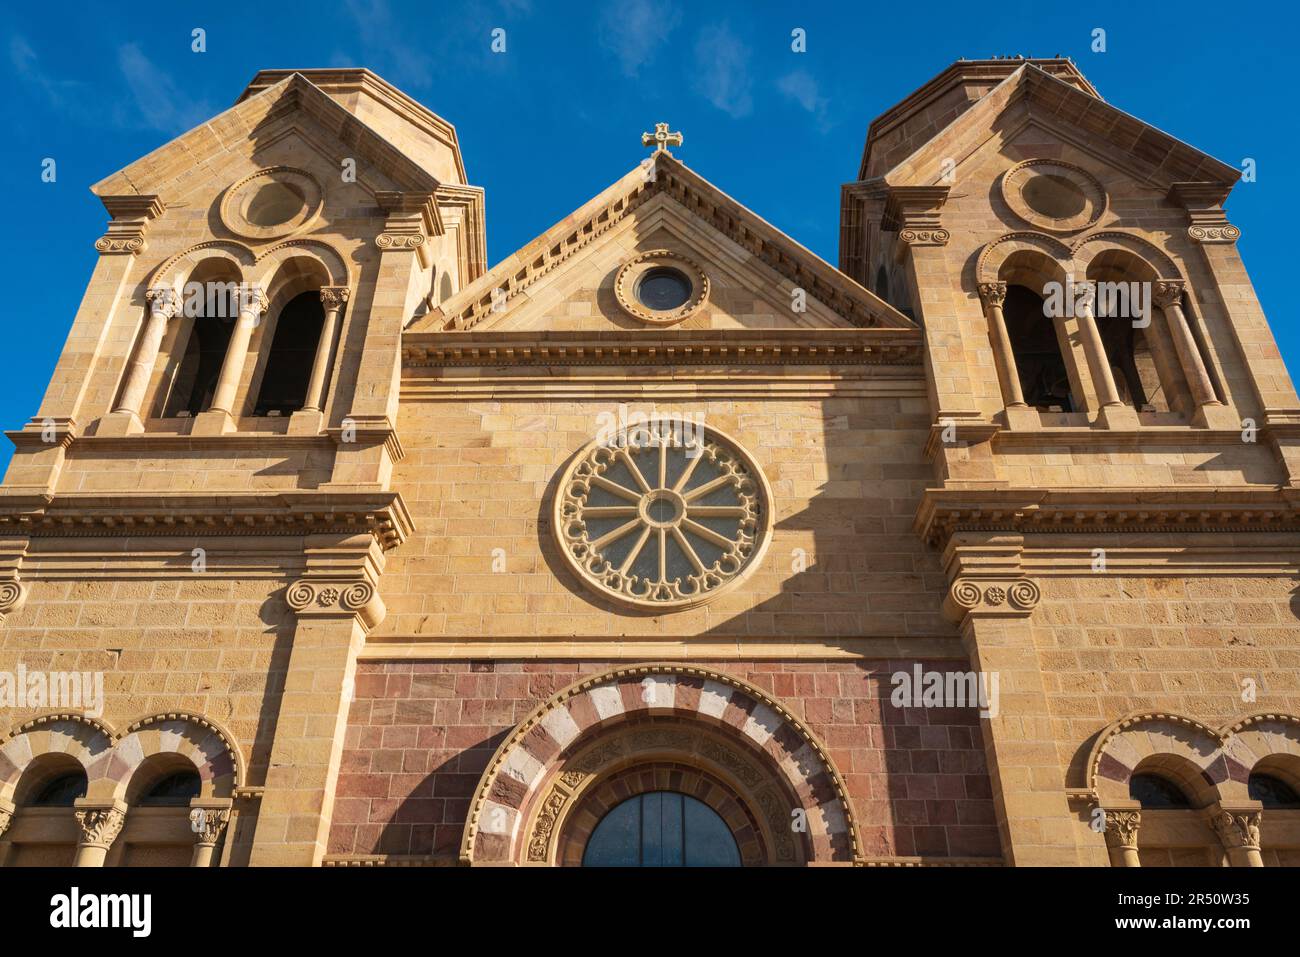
661, 139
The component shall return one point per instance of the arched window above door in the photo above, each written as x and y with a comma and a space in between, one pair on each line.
661, 829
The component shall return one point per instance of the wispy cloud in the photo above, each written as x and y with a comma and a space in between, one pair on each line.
722, 70
801, 87
160, 101
633, 30
381, 42
156, 101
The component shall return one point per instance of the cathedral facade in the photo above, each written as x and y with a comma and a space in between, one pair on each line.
662, 541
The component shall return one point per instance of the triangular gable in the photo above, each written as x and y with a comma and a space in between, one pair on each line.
240, 124
666, 176
1154, 155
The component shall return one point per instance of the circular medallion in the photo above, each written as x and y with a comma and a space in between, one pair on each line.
1054, 196
660, 287
271, 203
662, 515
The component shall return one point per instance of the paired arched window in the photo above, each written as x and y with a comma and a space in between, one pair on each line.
1155, 792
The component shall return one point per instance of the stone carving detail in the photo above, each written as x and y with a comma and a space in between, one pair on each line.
208, 824
661, 738
591, 762
1227, 233
1237, 828
540, 840
1167, 292
1122, 828
12, 595
334, 295
779, 820
327, 597
163, 301
120, 244
1016, 597
662, 515
399, 240
993, 293
924, 237
6, 817
658, 516
100, 826
725, 758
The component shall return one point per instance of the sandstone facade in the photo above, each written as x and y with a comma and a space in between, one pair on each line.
405, 560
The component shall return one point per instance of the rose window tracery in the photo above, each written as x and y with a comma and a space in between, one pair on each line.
662, 515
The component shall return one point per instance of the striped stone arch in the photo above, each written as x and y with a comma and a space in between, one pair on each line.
1087, 248
208, 746
333, 269
176, 271
1056, 256
1182, 748
734, 746
88, 740
1267, 742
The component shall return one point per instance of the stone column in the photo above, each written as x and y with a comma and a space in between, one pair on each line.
100, 825
208, 821
993, 294
1122, 835
1238, 830
1168, 295
252, 303
164, 303
993, 602
1113, 412
337, 603
333, 298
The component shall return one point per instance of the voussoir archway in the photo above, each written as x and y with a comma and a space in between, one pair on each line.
660, 726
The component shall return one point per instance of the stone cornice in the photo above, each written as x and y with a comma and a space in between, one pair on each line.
1204, 205
381, 514
1116, 510
878, 346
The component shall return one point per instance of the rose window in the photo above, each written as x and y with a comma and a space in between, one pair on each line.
662, 515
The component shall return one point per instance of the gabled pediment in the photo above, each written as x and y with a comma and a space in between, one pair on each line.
250, 120
566, 279
1149, 155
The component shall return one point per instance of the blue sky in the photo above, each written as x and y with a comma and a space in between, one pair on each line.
558, 116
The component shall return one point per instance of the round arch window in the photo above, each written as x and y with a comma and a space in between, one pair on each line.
662, 515
661, 829
173, 790
660, 287
1272, 791
663, 288
1156, 793
62, 791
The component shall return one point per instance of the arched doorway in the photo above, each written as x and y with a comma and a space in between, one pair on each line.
655, 729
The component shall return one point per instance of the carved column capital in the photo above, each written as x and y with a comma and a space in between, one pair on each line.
336, 598
253, 301
334, 296
1236, 827
163, 301
6, 815
993, 293
1168, 292
100, 825
1004, 598
209, 824
1122, 828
